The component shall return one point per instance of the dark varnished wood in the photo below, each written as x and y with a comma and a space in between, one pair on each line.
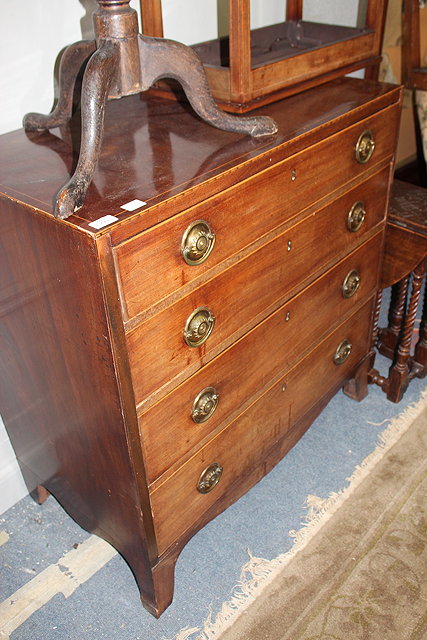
33, 166
414, 72
280, 447
59, 395
72, 61
389, 337
404, 366
71, 398
406, 238
404, 267
238, 218
125, 63
241, 296
275, 345
399, 374
241, 444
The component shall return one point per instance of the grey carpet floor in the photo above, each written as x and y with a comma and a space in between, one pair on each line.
107, 605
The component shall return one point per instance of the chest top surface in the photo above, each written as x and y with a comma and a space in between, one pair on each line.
158, 151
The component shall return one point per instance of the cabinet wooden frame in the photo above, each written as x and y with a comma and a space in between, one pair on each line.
245, 80
69, 381
414, 74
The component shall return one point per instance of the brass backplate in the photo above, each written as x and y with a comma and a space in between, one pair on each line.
365, 146
209, 478
197, 242
199, 326
204, 405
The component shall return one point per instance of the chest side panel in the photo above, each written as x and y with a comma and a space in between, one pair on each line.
59, 395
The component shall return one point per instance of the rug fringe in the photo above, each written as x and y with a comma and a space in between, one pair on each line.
258, 573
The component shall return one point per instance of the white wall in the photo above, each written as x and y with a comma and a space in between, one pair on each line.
33, 32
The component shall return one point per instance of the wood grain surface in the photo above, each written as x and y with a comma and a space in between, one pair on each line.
246, 292
240, 446
96, 380
241, 214
168, 431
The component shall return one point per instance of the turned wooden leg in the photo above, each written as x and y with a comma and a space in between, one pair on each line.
399, 372
71, 62
375, 320
160, 58
388, 338
373, 374
357, 387
419, 362
96, 82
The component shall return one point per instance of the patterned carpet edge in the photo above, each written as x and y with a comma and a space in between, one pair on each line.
258, 573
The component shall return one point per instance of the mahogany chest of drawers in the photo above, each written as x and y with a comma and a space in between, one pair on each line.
158, 357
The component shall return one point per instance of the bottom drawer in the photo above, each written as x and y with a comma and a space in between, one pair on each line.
183, 498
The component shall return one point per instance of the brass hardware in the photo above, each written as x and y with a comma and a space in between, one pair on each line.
197, 242
204, 405
289, 245
294, 175
342, 352
351, 283
365, 146
356, 216
287, 316
284, 386
199, 326
209, 478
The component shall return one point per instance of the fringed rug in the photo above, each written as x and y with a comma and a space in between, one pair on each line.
359, 566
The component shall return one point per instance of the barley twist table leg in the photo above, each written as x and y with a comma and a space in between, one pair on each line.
419, 363
399, 371
388, 338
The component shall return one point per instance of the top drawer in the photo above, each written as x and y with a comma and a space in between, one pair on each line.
153, 264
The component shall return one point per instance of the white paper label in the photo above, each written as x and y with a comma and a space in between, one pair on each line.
102, 222
134, 204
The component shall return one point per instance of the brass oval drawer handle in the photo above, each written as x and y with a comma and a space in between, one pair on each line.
204, 404
199, 326
342, 352
351, 283
209, 478
197, 242
365, 146
356, 216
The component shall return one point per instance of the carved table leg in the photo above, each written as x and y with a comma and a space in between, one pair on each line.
71, 62
419, 363
357, 387
162, 58
96, 82
389, 337
125, 63
399, 372
375, 329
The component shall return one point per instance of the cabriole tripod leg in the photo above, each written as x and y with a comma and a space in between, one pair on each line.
161, 58
71, 62
96, 82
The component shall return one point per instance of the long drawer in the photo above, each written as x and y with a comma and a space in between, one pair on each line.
192, 411
241, 296
241, 445
150, 265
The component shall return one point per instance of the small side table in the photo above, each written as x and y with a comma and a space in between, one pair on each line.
405, 265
